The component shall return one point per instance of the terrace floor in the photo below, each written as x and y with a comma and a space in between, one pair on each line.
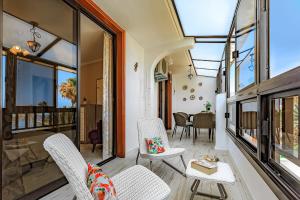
180, 186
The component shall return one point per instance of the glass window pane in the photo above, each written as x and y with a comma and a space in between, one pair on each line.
231, 121
245, 43
206, 17
67, 92
207, 51
31, 115
285, 129
63, 52
54, 16
284, 36
3, 80
205, 72
232, 80
248, 122
206, 64
21, 34
34, 84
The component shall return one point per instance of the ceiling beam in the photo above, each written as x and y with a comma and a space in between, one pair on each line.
209, 36
43, 51
206, 60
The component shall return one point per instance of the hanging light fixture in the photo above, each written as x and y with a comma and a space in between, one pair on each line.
190, 75
33, 44
17, 50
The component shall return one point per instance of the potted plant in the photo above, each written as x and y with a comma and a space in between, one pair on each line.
208, 106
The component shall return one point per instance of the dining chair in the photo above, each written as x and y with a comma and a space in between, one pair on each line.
204, 120
150, 128
134, 183
181, 120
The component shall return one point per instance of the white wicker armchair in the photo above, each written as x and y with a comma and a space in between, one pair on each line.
149, 128
135, 183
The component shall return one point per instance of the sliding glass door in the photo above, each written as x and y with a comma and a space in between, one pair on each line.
97, 91
39, 92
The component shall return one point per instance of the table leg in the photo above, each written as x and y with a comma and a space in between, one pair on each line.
195, 185
194, 188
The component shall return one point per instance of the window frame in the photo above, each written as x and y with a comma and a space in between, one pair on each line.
255, 48
264, 86
280, 171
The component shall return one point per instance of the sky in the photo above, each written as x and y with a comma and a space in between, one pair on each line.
62, 76
284, 36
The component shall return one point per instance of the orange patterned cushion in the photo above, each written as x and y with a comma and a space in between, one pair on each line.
100, 185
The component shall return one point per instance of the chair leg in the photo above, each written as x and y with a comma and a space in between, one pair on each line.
194, 133
137, 158
151, 165
186, 131
94, 146
173, 131
183, 161
182, 133
209, 134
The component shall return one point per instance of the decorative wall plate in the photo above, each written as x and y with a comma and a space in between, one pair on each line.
192, 90
200, 84
184, 99
192, 97
201, 98
185, 87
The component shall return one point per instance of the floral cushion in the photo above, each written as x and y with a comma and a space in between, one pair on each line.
100, 185
154, 145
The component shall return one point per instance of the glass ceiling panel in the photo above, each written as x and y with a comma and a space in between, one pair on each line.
210, 39
205, 17
17, 32
207, 51
205, 72
206, 64
63, 52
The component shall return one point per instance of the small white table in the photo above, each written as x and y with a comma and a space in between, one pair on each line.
224, 175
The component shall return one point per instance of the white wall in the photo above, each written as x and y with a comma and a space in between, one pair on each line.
134, 91
255, 184
221, 137
207, 91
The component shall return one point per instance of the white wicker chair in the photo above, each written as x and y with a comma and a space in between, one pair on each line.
135, 183
149, 128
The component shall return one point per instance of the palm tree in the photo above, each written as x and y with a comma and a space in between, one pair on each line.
68, 90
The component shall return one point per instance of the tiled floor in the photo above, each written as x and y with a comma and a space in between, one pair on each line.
180, 186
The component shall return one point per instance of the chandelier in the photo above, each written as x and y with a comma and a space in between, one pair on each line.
33, 44
17, 50
190, 75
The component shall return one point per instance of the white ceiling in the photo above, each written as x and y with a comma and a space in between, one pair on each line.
148, 21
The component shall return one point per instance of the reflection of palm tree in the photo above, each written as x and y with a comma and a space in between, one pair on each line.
68, 90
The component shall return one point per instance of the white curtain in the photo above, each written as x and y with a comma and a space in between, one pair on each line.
107, 96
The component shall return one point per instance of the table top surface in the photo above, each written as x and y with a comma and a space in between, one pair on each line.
224, 174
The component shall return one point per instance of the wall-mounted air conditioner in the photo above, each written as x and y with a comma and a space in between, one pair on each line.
161, 71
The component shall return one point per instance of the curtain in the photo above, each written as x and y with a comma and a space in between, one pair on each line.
107, 96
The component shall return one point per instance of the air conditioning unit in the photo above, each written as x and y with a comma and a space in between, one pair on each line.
161, 71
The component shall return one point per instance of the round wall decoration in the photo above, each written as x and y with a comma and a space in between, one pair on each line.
200, 84
192, 97
185, 87
192, 90
201, 98
184, 99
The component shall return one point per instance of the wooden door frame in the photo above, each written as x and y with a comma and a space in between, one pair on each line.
169, 101
108, 22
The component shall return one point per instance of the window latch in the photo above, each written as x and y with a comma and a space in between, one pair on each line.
235, 54
227, 115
